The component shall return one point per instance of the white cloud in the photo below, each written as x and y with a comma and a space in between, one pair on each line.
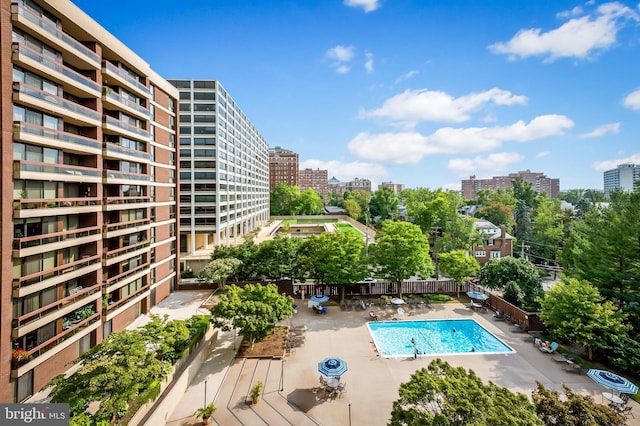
407, 76
601, 166
367, 5
348, 171
368, 65
413, 106
578, 37
613, 128
632, 101
569, 13
340, 53
409, 147
543, 154
498, 161
340, 57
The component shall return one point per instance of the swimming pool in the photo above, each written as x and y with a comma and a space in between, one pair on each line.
434, 337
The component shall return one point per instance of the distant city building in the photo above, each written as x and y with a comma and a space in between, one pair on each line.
337, 186
224, 172
359, 185
624, 177
316, 180
496, 242
539, 181
283, 167
89, 190
396, 187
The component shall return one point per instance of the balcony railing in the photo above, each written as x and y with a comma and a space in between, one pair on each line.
60, 337
112, 174
54, 272
57, 33
56, 66
39, 203
125, 76
55, 135
127, 127
128, 102
113, 280
38, 240
55, 306
62, 170
113, 147
55, 100
111, 227
110, 254
127, 200
118, 303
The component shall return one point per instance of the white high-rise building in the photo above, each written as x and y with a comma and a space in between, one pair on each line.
224, 171
624, 177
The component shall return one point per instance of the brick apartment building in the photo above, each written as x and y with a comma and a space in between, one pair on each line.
539, 181
89, 189
318, 180
283, 167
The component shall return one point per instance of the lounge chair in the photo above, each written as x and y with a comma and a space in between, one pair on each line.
576, 369
568, 358
551, 349
499, 316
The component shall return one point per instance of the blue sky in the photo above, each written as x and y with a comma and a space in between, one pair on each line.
423, 93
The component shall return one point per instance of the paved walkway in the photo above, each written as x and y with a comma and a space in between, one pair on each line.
290, 395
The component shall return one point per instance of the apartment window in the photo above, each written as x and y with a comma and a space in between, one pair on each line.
201, 107
185, 107
495, 254
480, 253
24, 388
185, 96
489, 242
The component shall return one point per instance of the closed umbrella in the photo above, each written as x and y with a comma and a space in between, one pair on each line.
612, 381
332, 367
477, 295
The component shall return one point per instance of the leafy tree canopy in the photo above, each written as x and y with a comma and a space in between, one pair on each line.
219, 270
253, 310
497, 273
282, 199
575, 310
458, 265
400, 251
443, 395
384, 204
574, 409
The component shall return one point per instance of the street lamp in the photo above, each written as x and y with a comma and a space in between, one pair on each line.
349, 413
205, 393
282, 376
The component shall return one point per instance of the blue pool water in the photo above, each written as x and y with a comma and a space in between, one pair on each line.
434, 337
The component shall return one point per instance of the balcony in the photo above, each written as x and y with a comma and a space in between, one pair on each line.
123, 203
113, 150
37, 281
118, 229
36, 170
79, 54
124, 178
27, 132
113, 283
115, 101
124, 253
72, 81
115, 126
70, 111
25, 207
121, 76
28, 246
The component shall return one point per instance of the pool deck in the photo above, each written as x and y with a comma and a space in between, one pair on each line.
372, 381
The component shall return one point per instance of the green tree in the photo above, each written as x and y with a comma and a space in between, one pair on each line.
113, 374
308, 203
443, 395
548, 231
497, 273
523, 190
575, 311
384, 204
573, 196
282, 199
400, 251
247, 253
219, 270
522, 215
253, 310
363, 198
574, 409
335, 199
352, 208
458, 266
496, 207
278, 258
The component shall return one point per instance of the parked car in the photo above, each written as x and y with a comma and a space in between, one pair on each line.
369, 280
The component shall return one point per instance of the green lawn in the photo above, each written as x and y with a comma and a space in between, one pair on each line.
345, 227
292, 221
